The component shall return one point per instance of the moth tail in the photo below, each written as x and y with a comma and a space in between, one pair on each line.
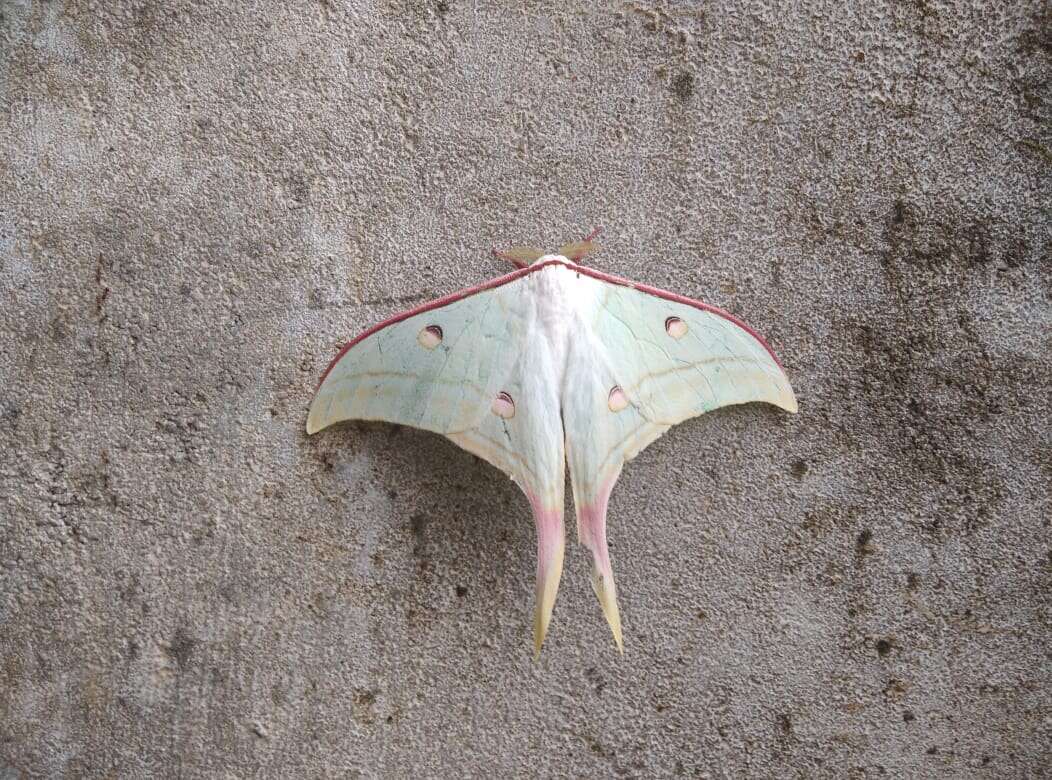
591, 525
551, 545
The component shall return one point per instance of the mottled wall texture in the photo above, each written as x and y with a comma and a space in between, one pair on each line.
200, 201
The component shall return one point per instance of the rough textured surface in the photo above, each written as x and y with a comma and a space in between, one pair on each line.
199, 201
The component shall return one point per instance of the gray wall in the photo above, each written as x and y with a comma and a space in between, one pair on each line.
198, 205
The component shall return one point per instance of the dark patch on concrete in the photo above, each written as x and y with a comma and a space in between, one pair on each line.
298, 187
898, 212
594, 745
884, 647
1036, 40
896, 689
10, 411
418, 523
595, 677
59, 330
1034, 146
181, 648
377, 558
363, 705
462, 591
682, 85
864, 543
924, 365
799, 469
102, 289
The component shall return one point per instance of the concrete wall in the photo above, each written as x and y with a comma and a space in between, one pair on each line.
200, 201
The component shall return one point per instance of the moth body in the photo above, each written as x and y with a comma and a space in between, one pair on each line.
564, 306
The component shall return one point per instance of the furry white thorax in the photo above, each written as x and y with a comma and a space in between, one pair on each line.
548, 258
562, 304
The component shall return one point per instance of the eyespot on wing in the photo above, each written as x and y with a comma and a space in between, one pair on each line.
503, 406
430, 337
675, 327
616, 400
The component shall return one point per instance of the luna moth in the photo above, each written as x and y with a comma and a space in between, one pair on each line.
549, 366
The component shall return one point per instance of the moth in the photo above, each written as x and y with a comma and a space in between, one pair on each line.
553, 365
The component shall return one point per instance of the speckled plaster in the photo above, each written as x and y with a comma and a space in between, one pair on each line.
200, 201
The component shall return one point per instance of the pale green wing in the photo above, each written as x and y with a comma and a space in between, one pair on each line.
675, 358
473, 368
437, 368
642, 361
603, 431
446, 367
